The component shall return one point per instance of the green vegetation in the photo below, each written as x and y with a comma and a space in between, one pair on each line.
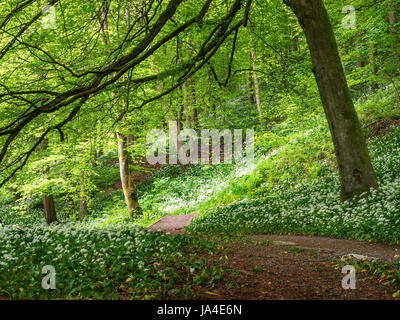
77, 104
312, 206
106, 263
387, 273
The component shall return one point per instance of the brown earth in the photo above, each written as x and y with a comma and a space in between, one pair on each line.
277, 272
338, 247
172, 223
263, 267
381, 127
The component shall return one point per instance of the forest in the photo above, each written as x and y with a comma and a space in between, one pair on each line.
213, 149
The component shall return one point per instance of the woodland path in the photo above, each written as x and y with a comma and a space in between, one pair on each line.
267, 267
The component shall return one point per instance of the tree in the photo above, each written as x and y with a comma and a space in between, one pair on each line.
255, 79
392, 30
355, 169
128, 185
69, 84
49, 208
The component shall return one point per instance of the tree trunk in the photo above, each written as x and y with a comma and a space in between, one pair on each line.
392, 31
70, 204
180, 116
85, 194
250, 83
83, 203
189, 100
186, 105
50, 214
193, 105
128, 185
255, 80
374, 66
69, 199
83, 198
49, 208
356, 172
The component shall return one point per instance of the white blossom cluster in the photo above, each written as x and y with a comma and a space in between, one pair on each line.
314, 207
87, 260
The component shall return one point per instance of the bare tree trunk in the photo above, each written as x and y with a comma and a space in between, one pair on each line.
295, 43
85, 195
186, 99
180, 115
392, 31
360, 59
83, 208
83, 204
128, 185
356, 172
250, 83
193, 105
50, 214
255, 80
49, 208
372, 61
189, 100
15, 195
102, 14
70, 204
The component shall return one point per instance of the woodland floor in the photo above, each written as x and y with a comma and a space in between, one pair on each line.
263, 267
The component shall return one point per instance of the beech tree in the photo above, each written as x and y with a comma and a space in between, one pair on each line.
100, 63
128, 185
49, 208
66, 99
356, 172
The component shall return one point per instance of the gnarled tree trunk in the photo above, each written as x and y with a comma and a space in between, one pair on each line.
355, 169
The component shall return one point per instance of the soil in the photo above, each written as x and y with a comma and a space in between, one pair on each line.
277, 272
339, 247
381, 127
274, 267
172, 224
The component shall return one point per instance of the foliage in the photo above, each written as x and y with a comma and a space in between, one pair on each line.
387, 273
132, 66
312, 207
106, 263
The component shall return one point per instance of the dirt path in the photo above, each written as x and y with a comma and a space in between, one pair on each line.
172, 224
279, 272
290, 267
337, 247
